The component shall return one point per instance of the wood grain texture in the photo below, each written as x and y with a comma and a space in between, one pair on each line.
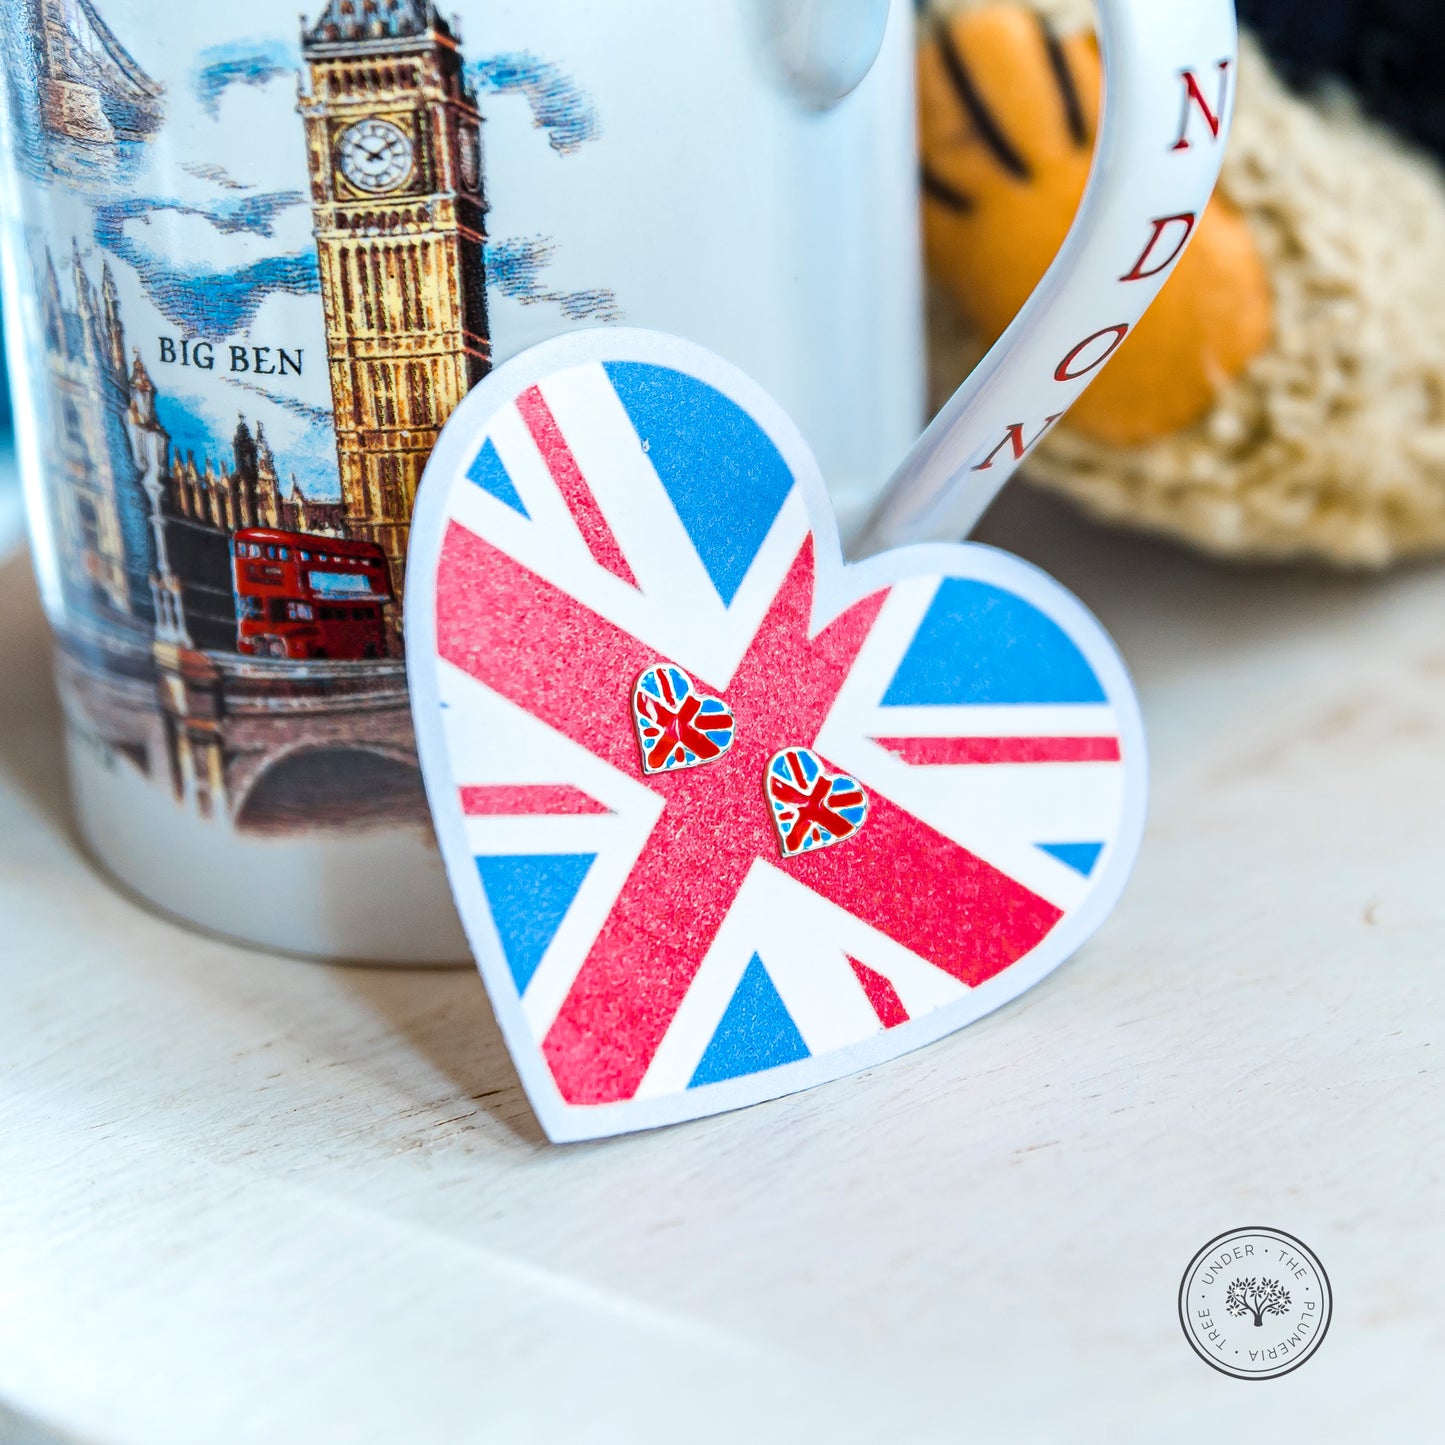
246, 1199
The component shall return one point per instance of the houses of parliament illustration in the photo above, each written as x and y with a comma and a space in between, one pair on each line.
145, 531
153, 542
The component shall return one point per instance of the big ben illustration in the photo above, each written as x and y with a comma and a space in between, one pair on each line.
393, 143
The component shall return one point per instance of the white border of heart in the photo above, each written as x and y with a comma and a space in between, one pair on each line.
838, 585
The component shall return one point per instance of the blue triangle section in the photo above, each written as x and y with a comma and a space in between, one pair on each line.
725, 478
491, 476
756, 1032
978, 644
529, 896
1081, 857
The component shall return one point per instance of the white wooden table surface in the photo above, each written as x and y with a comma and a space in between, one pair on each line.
245, 1199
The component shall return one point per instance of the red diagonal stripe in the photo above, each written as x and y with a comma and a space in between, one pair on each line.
881, 994
950, 752
510, 800
928, 893
572, 484
538, 647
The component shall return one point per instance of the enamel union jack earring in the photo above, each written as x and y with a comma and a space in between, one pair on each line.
812, 808
678, 727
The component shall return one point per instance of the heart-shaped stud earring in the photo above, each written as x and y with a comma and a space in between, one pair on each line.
664, 944
677, 727
812, 808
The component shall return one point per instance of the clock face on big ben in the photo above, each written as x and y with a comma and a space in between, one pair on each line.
375, 155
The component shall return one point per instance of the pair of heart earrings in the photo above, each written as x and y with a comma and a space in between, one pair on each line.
679, 727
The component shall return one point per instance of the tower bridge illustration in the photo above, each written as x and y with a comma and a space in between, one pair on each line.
91, 87
153, 543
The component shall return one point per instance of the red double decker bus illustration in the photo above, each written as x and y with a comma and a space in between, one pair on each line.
305, 596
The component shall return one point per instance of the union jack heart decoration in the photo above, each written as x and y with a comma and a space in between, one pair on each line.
726, 817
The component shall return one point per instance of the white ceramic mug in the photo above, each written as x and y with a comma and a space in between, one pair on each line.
250, 270
207, 215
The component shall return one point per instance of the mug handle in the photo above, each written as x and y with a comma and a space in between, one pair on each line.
1169, 87
825, 48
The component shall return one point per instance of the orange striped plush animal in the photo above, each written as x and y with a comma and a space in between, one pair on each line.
1286, 395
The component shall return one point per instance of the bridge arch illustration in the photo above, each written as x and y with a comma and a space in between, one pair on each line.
92, 89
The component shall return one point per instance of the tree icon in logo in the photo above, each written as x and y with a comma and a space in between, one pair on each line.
1257, 1297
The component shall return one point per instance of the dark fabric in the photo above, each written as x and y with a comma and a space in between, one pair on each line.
1388, 51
